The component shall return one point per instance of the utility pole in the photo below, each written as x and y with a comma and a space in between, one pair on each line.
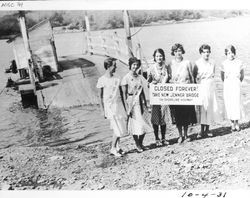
27, 48
128, 33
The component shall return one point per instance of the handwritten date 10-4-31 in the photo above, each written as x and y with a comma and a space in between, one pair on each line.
204, 195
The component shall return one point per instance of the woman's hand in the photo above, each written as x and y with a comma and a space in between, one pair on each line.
129, 114
154, 82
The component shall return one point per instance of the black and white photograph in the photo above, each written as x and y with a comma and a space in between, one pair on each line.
124, 99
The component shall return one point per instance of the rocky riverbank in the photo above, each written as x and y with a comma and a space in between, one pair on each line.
220, 161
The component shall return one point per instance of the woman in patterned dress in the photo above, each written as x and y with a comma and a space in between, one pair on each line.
204, 71
159, 73
232, 74
182, 73
136, 103
112, 104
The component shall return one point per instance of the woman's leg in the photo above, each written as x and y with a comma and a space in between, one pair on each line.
156, 129
206, 130
138, 147
118, 148
113, 150
114, 142
202, 131
141, 137
185, 131
163, 131
232, 125
180, 139
237, 126
163, 135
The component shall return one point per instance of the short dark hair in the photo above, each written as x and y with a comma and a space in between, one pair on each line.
204, 46
230, 48
133, 60
177, 46
159, 50
108, 62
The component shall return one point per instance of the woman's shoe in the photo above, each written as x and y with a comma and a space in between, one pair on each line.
164, 142
180, 140
205, 134
121, 151
139, 149
237, 128
233, 128
199, 136
187, 139
158, 143
115, 153
143, 147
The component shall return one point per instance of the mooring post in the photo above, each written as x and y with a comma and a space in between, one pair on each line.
28, 92
27, 48
128, 33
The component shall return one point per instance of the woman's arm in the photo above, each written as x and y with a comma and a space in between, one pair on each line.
150, 77
101, 101
144, 97
124, 94
241, 75
123, 97
190, 73
195, 73
222, 75
169, 70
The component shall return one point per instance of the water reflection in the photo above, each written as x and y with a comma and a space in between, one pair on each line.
50, 127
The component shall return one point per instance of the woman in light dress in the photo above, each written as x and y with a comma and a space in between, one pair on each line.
182, 73
136, 104
112, 104
159, 73
232, 74
204, 71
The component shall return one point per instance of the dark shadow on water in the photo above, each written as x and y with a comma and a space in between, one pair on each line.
68, 141
49, 126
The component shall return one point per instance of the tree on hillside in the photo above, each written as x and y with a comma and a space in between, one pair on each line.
10, 26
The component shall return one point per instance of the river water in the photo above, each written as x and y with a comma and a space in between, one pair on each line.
84, 124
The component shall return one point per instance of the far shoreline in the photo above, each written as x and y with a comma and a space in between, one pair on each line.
158, 23
59, 30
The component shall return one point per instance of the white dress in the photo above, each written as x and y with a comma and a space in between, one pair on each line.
113, 107
137, 124
209, 111
232, 88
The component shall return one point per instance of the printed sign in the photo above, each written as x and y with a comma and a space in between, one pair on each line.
175, 94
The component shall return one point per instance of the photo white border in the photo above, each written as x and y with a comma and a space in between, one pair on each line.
124, 4
121, 5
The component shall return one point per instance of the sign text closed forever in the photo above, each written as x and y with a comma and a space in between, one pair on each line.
175, 94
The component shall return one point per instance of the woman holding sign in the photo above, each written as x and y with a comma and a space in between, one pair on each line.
159, 73
182, 74
232, 74
136, 103
204, 71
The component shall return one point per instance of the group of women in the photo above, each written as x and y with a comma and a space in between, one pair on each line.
125, 105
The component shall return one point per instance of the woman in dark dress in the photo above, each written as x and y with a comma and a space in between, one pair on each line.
184, 115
